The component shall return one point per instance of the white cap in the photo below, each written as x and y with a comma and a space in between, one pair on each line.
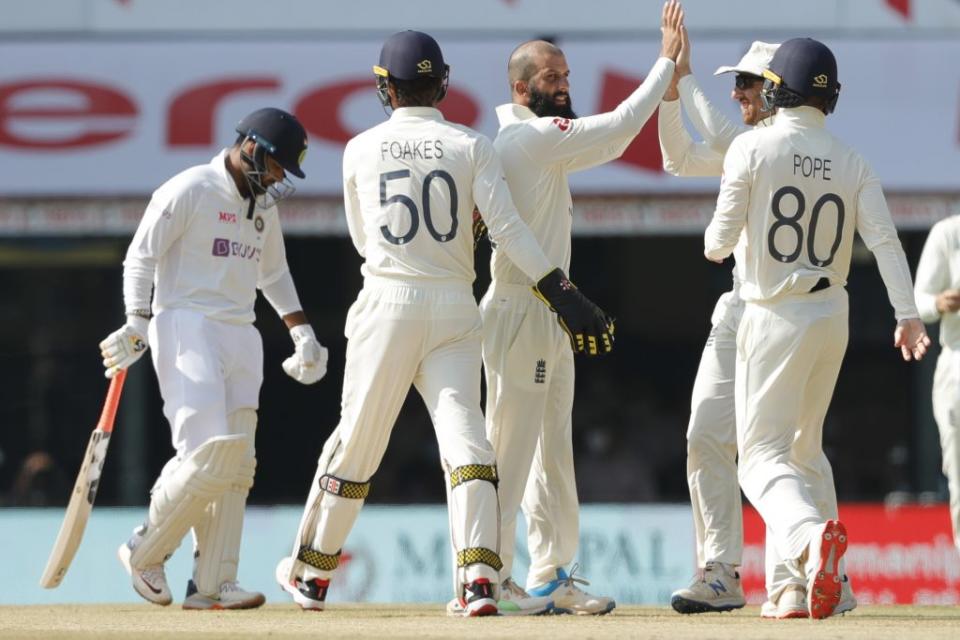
754, 61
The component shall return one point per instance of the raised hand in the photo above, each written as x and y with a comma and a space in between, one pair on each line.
670, 25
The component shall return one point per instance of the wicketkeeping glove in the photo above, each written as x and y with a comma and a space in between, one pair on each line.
309, 362
589, 328
124, 346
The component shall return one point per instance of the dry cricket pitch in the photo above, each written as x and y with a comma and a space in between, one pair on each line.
361, 621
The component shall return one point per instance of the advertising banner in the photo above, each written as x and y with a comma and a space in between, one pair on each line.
115, 118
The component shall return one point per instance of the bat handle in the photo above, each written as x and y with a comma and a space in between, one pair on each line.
109, 413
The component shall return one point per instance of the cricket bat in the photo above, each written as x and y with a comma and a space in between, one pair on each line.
84, 491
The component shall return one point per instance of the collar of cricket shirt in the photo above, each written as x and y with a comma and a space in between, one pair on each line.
219, 163
416, 112
512, 112
803, 116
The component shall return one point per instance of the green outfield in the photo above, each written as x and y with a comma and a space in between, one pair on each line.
358, 622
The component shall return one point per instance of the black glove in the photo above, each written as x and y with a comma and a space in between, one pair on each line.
479, 227
589, 328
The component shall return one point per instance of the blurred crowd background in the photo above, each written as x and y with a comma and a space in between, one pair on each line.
103, 100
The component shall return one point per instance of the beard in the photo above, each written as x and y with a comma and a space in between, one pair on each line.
545, 105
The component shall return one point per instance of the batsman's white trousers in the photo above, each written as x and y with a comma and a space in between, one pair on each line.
946, 411
789, 354
207, 369
530, 380
402, 334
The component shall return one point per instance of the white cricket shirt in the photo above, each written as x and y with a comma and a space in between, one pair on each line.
410, 185
538, 153
939, 270
201, 250
796, 194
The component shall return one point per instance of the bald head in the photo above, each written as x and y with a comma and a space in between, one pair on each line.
527, 59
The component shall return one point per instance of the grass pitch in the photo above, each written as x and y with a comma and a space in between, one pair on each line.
359, 622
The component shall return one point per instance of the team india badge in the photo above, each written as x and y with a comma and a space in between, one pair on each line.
258, 224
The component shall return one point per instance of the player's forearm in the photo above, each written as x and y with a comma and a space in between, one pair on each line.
281, 293
681, 155
892, 264
715, 128
138, 276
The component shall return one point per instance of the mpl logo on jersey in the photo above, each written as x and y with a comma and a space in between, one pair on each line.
228, 218
224, 248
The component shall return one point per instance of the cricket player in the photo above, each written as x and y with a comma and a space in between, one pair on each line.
938, 298
711, 435
792, 196
529, 370
209, 239
410, 187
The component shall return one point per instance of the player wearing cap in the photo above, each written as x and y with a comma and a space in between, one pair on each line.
410, 188
796, 195
209, 239
712, 430
529, 370
711, 435
938, 299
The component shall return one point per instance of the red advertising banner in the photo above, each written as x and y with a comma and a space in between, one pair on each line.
897, 555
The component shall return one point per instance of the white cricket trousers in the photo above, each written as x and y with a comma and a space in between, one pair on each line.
401, 334
206, 369
946, 411
712, 452
530, 380
789, 354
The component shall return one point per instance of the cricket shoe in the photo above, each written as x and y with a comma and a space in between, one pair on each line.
477, 599
569, 598
791, 603
150, 582
715, 588
231, 596
824, 582
309, 594
514, 601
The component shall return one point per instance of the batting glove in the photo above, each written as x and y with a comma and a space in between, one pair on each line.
590, 329
124, 346
309, 362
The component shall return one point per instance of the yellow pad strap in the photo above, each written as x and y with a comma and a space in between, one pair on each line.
475, 555
317, 560
345, 488
470, 472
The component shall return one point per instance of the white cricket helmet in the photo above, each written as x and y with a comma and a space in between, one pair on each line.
754, 61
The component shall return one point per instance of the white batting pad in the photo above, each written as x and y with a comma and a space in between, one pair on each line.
217, 537
180, 499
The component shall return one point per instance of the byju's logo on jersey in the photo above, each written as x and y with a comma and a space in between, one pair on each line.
223, 248
228, 218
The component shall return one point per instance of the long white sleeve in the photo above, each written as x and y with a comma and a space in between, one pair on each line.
504, 224
875, 226
590, 140
162, 223
725, 228
681, 155
933, 273
282, 295
716, 129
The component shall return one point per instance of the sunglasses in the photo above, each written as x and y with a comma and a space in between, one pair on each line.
745, 81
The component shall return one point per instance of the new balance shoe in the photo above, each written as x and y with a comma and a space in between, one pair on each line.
824, 582
150, 582
231, 596
477, 599
569, 598
309, 594
791, 603
715, 588
847, 600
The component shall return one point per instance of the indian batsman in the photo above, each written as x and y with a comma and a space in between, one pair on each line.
529, 369
795, 195
209, 239
712, 433
410, 187
938, 298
